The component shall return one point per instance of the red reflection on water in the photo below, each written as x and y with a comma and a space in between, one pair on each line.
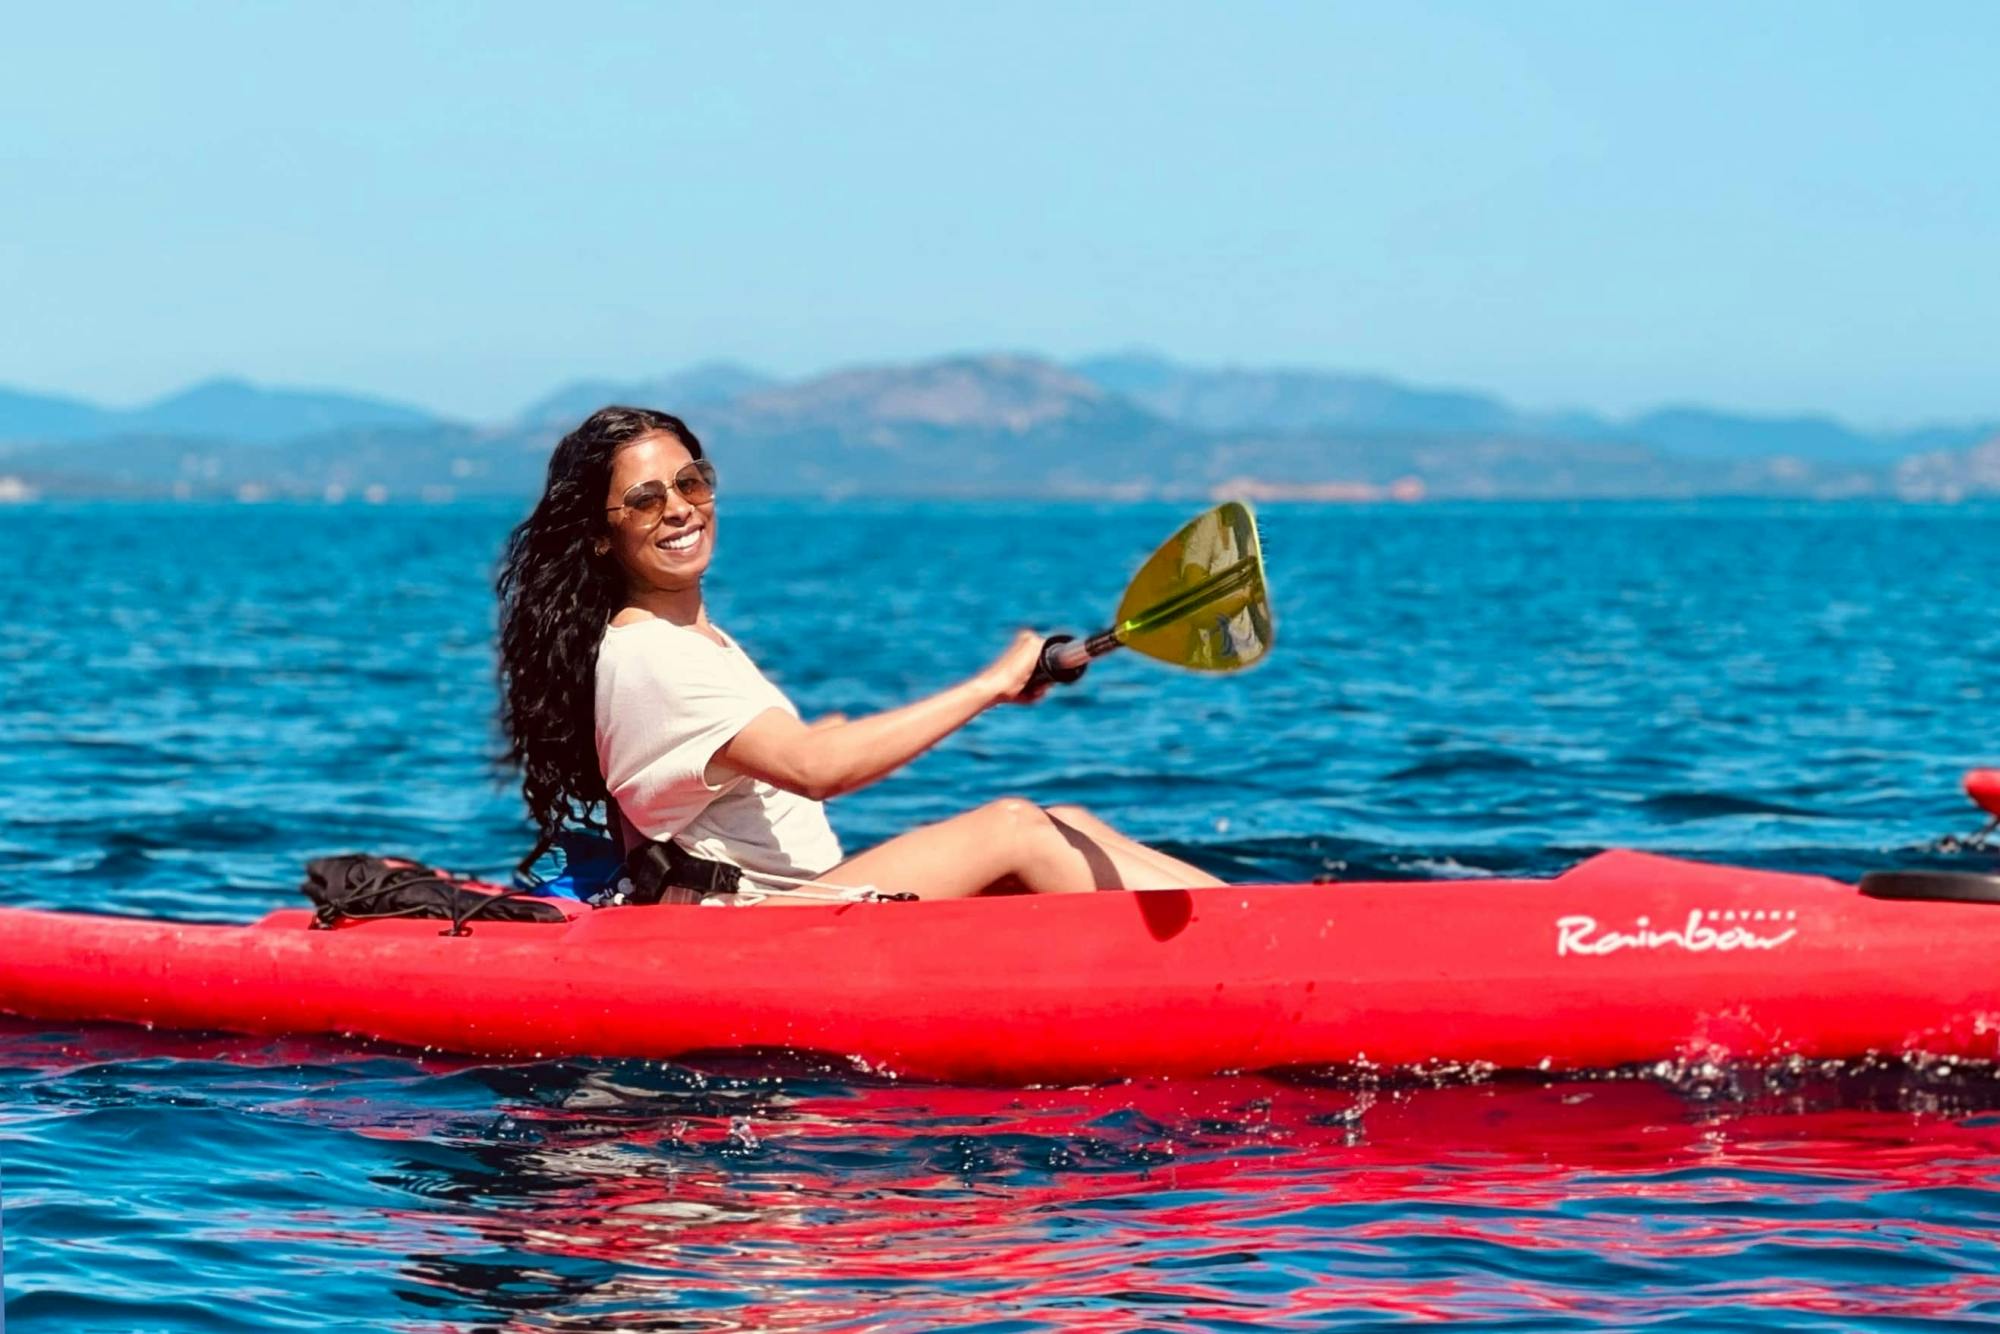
1234, 1200
617, 1198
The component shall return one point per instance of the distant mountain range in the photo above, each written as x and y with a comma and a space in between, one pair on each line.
1129, 425
1309, 401
697, 387
234, 411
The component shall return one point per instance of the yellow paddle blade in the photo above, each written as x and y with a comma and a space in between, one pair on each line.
1201, 601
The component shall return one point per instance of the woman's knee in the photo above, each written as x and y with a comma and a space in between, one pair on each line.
1068, 811
1022, 827
1012, 813
1047, 856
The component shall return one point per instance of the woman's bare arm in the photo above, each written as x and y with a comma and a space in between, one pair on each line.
828, 758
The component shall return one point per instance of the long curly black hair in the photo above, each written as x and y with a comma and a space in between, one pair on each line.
556, 595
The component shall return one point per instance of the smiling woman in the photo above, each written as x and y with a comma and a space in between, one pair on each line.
620, 695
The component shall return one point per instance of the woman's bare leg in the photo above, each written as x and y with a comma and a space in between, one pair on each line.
1181, 874
959, 857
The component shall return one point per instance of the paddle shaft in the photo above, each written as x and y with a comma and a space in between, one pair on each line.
1064, 657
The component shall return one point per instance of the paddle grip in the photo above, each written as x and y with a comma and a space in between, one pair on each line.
1056, 666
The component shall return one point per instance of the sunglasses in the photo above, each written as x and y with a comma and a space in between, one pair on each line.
646, 503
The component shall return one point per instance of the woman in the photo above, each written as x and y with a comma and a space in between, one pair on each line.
619, 690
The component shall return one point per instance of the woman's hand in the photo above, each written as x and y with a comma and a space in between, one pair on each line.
1007, 678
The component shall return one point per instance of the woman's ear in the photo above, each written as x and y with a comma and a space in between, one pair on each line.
603, 546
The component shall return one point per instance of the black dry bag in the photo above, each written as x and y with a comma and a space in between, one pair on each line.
357, 887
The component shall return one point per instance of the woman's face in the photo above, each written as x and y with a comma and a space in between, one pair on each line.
673, 552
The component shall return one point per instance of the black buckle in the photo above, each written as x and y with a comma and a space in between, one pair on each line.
663, 872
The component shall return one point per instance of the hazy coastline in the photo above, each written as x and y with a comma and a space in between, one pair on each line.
1130, 427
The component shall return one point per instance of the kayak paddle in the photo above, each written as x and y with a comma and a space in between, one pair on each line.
1199, 602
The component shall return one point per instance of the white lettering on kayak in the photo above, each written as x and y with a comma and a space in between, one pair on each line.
1579, 934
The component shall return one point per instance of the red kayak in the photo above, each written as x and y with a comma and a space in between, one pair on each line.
1625, 958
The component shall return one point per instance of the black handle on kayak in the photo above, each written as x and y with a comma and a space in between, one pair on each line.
1055, 668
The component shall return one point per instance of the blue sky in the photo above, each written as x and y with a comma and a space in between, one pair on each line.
1611, 206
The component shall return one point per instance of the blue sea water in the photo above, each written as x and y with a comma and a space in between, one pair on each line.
198, 698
